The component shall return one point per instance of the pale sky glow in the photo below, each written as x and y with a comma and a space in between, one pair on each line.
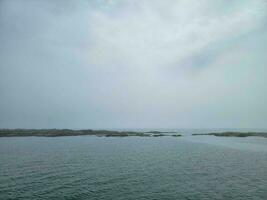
133, 64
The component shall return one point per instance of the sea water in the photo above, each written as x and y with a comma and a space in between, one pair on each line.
131, 168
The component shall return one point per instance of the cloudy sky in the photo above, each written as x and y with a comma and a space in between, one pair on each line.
133, 64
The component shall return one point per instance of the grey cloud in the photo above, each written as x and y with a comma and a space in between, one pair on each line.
125, 64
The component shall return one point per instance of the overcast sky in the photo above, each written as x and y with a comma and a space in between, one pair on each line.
133, 64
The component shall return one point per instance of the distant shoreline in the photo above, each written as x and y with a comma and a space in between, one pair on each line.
235, 134
112, 133
69, 132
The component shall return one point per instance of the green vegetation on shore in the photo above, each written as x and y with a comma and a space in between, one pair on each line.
176, 135
159, 132
235, 134
69, 132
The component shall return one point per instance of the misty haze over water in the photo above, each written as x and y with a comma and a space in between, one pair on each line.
124, 66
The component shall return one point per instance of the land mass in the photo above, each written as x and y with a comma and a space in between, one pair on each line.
235, 134
69, 132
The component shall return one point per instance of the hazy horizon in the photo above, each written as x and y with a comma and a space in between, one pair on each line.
126, 64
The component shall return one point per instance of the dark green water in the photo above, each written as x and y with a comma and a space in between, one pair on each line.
89, 167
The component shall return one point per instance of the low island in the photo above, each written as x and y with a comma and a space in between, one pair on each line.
235, 134
69, 132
